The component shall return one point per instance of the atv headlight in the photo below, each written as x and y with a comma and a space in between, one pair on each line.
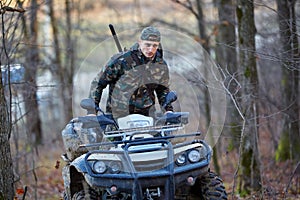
99, 167
115, 167
181, 159
194, 156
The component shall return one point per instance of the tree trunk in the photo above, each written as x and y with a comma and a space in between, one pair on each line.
33, 121
201, 27
205, 44
63, 70
6, 166
288, 147
67, 77
226, 40
226, 57
250, 164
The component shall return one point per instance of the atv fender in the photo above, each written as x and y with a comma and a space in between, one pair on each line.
79, 164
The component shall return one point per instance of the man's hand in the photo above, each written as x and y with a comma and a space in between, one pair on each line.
169, 111
97, 108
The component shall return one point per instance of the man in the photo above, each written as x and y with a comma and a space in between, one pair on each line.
134, 77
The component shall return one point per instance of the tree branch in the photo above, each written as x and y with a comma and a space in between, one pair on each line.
11, 9
296, 171
188, 5
226, 75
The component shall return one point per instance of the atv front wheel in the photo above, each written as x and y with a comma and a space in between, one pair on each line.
211, 187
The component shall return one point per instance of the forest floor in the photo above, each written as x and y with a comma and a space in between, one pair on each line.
45, 181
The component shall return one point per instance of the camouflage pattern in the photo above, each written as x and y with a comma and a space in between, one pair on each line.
76, 133
133, 81
151, 34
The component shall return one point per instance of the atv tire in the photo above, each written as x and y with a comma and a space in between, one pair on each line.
211, 187
81, 195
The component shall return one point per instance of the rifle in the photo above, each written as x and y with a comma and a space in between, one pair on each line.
113, 32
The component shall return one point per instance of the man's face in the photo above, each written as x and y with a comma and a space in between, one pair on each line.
148, 48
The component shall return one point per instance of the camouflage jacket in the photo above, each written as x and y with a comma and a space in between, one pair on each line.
133, 81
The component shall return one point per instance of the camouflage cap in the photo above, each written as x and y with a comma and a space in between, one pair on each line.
150, 33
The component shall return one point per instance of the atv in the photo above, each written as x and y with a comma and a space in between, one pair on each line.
136, 158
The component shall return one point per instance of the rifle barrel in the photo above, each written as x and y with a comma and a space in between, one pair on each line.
114, 34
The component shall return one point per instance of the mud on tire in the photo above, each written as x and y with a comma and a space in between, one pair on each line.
211, 187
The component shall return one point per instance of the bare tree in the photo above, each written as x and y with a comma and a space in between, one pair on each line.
196, 10
33, 121
226, 57
288, 147
64, 69
6, 164
203, 39
70, 58
7, 177
250, 161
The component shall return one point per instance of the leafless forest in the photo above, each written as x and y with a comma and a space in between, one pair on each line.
52, 49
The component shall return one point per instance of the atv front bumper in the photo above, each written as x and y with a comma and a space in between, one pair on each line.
136, 180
